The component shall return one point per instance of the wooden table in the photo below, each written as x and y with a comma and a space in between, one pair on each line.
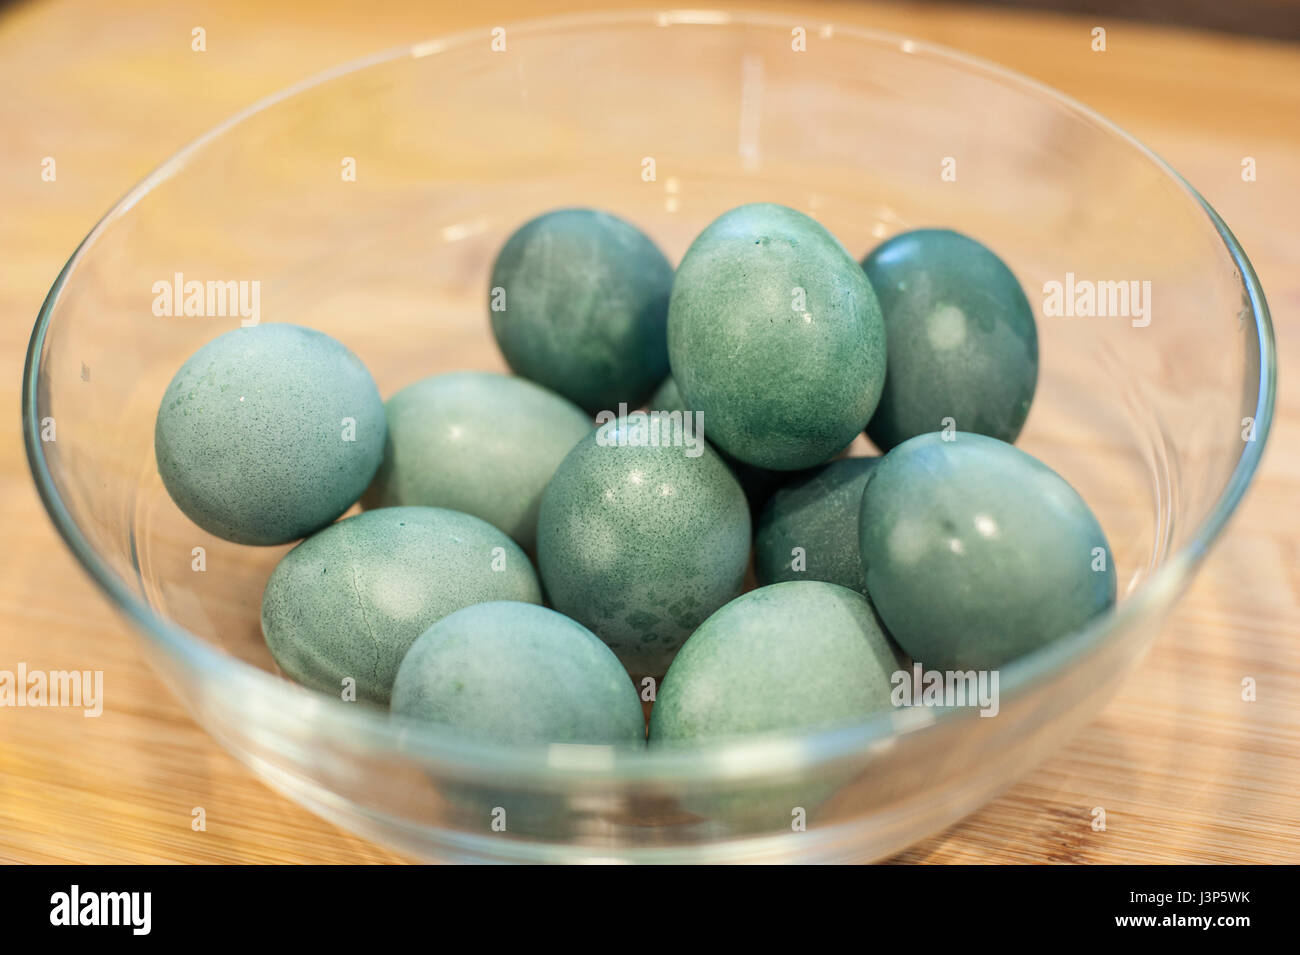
1185, 773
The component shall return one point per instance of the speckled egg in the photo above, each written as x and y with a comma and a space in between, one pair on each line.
774, 333
757, 483
641, 542
477, 442
977, 553
269, 433
349, 601
793, 655
518, 673
579, 303
809, 529
961, 339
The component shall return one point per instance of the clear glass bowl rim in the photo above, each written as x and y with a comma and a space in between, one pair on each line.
754, 757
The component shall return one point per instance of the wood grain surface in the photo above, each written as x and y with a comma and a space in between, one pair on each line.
1186, 771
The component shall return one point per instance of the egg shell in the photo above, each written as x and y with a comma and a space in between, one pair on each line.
793, 655
775, 334
962, 342
977, 553
517, 673
268, 433
350, 600
478, 442
579, 304
816, 513
641, 543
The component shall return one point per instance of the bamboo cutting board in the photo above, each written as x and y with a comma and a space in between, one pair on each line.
1186, 771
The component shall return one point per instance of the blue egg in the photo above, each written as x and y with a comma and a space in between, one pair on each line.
977, 553
269, 433
776, 337
477, 442
809, 529
961, 340
517, 673
641, 541
579, 303
793, 655
348, 602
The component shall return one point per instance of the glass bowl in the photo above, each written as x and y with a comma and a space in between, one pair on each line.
369, 203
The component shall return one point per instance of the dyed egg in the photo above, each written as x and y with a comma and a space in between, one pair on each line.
477, 442
774, 333
579, 303
794, 655
269, 433
961, 339
757, 483
518, 673
977, 553
809, 529
349, 601
641, 542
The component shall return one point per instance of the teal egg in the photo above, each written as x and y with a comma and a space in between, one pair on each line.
757, 483
478, 442
793, 655
579, 303
517, 673
350, 600
977, 553
641, 542
268, 433
774, 333
961, 339
667, 397
809, 529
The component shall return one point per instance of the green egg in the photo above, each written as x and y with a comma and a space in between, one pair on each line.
961, 339
793, 655
579, 303
517, 673
478, 442
809, 529
757, 483
775, 334
977, 553
348, 602
667, 397
268, 433
641, 542
790, 657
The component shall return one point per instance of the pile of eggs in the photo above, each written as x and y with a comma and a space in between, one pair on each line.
533, 560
